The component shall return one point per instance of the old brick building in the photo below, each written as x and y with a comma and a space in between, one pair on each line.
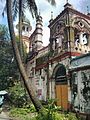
49, 68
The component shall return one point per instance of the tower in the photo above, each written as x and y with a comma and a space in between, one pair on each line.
38, 33
26, 31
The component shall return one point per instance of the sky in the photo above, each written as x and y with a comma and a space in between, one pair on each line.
45, 10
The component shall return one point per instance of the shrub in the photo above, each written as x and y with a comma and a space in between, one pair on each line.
17, 95
53, 113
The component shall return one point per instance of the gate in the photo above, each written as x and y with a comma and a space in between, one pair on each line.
61, 87
62, 96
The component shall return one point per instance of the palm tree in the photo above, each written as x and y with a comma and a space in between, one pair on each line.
25, 78
32, 8
20, 28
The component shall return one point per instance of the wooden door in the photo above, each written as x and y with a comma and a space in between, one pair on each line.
62, 96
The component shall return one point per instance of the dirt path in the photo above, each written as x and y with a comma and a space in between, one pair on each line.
4, 116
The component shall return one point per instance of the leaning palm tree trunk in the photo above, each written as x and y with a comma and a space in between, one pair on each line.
20, 29
26, 80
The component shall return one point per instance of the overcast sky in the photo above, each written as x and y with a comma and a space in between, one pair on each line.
45, 10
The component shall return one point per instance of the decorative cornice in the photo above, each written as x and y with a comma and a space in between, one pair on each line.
69, 10
60, 57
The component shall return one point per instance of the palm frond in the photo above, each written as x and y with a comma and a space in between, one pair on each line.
15, 8
32, 7
4, 10
52, 2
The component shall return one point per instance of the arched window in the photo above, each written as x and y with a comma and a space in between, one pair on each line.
27, 29
23, 28
60, 76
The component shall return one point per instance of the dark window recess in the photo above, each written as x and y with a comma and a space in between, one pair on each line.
76, 48
40, 71
23, 28
74, 88
85, 50
81, 24
27, 29
60, 76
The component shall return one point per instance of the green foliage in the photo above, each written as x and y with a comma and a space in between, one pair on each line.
71, 116
23, 113
31, 108
56, 116
8, 67
53, 113
18, 111
48, 116
51, 107
4, 34
18, 95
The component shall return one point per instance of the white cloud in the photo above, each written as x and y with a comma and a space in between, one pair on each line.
2, 5
46, 35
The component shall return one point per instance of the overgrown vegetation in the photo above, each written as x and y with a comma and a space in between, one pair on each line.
4, 33
17, 95
8, 68
53, 113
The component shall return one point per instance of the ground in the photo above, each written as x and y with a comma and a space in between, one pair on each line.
4, 116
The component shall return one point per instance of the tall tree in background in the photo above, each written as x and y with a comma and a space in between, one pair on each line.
8, 68
4, 34
25, 78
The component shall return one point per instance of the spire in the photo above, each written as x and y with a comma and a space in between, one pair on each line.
88, 13
39, 12
87, 9
67, 5
51, 17
66, 1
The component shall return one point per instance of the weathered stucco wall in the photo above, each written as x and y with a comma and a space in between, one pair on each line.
80, 83
81, 90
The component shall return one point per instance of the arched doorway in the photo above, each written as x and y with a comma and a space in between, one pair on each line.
61, 86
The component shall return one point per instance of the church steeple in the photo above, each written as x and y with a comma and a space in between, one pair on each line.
88, 13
